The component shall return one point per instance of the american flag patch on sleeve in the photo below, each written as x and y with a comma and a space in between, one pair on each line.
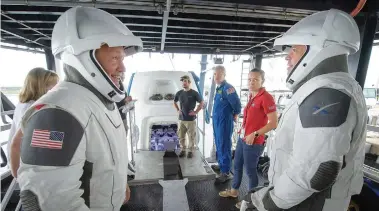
47, 139
230, 90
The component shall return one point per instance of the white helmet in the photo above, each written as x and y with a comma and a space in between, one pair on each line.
79, 32
327, 34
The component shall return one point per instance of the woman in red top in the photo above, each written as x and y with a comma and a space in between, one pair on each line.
259, 118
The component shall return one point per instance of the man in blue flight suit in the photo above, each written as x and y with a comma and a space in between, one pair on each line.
226, 108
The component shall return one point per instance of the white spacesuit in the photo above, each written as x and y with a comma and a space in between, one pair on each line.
318, 149
74, 154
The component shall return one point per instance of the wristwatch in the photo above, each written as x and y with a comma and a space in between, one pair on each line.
256, 134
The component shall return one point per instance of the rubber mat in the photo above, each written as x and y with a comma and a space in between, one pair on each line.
174, 195
202, 196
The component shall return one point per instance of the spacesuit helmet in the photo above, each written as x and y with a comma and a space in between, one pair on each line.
325, 34
79, 32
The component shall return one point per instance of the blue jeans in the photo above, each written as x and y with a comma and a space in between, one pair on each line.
248, 156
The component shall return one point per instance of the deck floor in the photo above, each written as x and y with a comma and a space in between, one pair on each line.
201, 195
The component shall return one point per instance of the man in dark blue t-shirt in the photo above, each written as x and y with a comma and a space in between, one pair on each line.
187, 98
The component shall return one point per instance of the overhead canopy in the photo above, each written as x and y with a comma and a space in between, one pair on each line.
176, 26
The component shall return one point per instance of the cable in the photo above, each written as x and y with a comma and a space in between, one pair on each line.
173, 66
359, 7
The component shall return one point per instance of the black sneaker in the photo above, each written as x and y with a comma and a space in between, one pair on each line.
223, 178
182, 153
189, 155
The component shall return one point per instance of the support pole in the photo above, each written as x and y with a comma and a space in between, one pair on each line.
211, 96
166, 14
358, 62
203, 67
50, 60
258, 61
371, 20
59, 68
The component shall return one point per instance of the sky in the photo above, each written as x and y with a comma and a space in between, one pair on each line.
14, 65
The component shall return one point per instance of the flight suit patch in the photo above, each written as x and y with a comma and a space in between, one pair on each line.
231, 90
325, 107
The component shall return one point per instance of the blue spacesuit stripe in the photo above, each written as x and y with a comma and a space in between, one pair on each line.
130, 83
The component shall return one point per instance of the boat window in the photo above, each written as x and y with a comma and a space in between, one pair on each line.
156, 97
169, 97
162, 90
369, 93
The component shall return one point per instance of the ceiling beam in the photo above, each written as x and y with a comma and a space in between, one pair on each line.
60, 13
248, 23
177, 39
20, 34
127, 6
3, 13
252, 13
208, 40
201, 35
190, 50
307, 5
166, 13
182, 27
183, 41
21, 49
199, 43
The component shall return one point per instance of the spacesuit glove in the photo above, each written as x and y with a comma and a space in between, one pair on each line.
127, 107
128, 99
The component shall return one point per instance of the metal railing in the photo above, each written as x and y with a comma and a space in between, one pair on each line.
371, 173
201, 130
368, 171
6, 125
4, 163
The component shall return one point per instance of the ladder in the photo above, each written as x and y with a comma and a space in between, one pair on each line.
244, 96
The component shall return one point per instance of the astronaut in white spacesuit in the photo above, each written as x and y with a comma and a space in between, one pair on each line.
318, 149
74, 154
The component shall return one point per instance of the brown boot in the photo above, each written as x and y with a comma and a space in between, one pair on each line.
229, 193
